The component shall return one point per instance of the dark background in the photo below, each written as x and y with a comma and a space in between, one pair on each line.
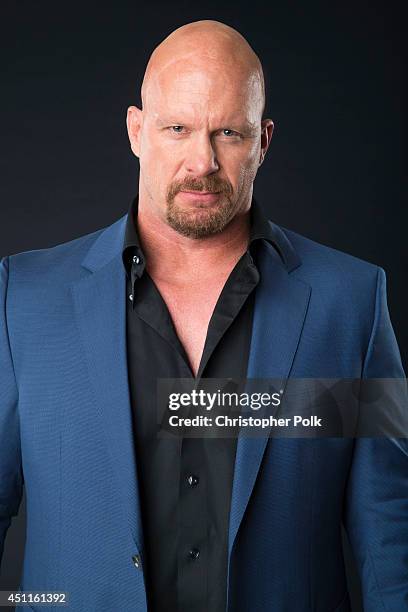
336, 87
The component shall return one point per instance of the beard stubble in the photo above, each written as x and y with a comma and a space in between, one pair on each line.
200, 221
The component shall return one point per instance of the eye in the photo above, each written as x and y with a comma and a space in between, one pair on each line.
177, 129
230, 133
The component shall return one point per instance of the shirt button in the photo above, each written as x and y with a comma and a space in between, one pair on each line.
137, 561
192, 480
131, 297
194, 553
137, 260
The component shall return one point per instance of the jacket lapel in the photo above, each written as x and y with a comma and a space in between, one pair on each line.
281, 305
100, 307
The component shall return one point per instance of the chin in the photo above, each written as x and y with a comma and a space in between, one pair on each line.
200, 222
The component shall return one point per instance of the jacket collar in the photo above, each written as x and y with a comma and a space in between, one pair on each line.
121, 238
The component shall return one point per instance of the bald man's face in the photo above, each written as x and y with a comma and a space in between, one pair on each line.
200, 141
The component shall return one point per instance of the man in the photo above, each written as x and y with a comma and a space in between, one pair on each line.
194, 283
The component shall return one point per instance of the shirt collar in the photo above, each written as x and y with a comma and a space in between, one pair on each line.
260, 229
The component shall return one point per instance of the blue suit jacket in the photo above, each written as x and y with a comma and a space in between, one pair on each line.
66, 433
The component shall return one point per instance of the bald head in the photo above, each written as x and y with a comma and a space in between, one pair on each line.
200, 129
205, 45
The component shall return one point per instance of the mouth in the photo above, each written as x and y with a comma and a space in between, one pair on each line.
200, 192
203, 197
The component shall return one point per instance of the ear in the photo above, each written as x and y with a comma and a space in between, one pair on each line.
267, 127
134, 120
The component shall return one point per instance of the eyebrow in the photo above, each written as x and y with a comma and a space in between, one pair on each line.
245, 125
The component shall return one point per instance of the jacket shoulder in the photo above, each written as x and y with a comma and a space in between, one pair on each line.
316, 256
62, 261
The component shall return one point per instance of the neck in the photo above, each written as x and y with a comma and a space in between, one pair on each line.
183, 259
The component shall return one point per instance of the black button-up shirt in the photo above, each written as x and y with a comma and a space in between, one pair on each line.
185, 484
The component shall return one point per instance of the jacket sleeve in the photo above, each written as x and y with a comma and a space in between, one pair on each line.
11, 477
376, 503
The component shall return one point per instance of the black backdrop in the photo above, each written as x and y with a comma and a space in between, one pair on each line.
336, 88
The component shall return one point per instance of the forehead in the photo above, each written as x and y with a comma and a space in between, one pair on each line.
216, 88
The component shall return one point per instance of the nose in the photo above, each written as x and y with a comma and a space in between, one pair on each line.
201, 159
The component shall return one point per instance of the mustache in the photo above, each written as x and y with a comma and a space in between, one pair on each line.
208, 183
